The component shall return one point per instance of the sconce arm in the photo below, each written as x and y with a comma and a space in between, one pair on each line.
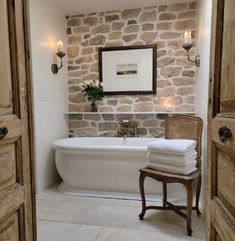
196, 61
54, 67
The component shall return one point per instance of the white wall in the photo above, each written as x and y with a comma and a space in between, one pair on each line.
202, 78
47, 25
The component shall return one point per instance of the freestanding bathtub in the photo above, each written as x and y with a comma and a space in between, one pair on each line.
105, 166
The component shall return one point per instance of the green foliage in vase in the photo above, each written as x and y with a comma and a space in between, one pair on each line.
93, 90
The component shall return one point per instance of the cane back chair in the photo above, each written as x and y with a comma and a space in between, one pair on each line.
177, 127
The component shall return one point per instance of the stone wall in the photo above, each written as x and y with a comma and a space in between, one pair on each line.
161, 25
106, 124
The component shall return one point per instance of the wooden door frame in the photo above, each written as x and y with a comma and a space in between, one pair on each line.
28, 66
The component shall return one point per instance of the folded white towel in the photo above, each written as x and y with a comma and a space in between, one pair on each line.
172, 169
172, 146
175, 160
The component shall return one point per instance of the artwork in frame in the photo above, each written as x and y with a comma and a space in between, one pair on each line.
128, 70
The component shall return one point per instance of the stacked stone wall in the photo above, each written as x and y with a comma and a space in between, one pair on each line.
161, 25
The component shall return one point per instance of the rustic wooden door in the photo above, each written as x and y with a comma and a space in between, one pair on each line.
221, 128
16, 189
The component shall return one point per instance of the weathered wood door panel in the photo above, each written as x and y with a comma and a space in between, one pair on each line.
16, 190
221, 127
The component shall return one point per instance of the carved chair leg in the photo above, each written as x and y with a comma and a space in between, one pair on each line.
164, 187
141, 186
189, 187
198, 194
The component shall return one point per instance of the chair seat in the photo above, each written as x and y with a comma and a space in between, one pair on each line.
161, 175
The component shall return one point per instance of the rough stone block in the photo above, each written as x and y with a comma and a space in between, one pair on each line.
98, 40
148, 17
132, 21
148, 36
185, 24
129, 38
161, 53
177, 7
147, 27
117, 26
115, 35
130, 13
187, 14
188, 73
142, 107
185, 91
167, 92
92, 117
76, 98
164, 61
81, 29
111, 18
84, 59
114, 44
103, 28
108, 117
120, 117
74, 108
74, 39
189, 99
73, 89
107, 126
167, 16
169, 35
169, 72
163, 83
164, 26
183, 81
91, 21
72, 52
132, 29
162, 8
87, 50
124, 108
74, 22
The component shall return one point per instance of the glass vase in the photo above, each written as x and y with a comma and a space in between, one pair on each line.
93, 106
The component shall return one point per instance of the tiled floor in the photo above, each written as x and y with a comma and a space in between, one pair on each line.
69, 218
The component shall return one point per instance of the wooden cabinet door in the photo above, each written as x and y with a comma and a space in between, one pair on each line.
221, 128
16, 189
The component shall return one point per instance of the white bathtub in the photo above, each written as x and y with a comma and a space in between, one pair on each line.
105, 166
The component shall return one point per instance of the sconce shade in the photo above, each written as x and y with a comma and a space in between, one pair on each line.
187, 45
54, 67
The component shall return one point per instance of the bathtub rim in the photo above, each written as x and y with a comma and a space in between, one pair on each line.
121, 149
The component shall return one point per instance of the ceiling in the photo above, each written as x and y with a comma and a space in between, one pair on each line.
70, 7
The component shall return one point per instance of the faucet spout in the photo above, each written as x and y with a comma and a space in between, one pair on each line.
127, 128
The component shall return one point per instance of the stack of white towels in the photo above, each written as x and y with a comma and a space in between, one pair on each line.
172, 155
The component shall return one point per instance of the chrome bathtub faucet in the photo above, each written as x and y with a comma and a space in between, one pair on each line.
127, 128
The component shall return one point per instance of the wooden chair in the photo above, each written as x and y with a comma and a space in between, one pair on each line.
177, 127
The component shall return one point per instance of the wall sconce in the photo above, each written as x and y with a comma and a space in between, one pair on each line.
187, 45
60, 53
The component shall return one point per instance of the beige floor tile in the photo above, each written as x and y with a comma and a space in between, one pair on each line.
169, 222
56, 231
118, 219
109, 215
51, 194
117, 234
58, 211
88, 200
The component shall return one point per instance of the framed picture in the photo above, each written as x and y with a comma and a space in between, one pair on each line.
128, 70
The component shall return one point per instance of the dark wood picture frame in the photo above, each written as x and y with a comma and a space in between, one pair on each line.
128, 48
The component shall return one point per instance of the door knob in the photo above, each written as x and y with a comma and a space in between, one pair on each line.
3, 132
224, 133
